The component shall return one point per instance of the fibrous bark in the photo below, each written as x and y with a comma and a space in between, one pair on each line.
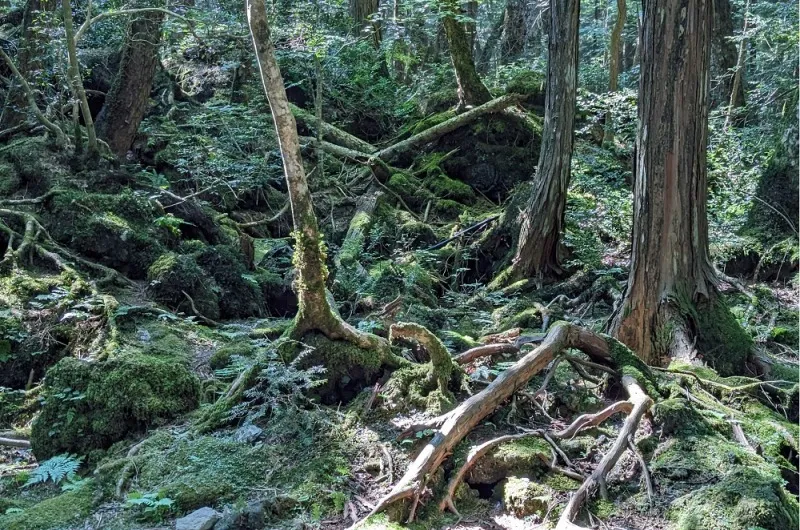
671, 275
126, 103
542, 220
514, 30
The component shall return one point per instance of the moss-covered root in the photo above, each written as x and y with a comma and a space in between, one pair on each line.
424, 385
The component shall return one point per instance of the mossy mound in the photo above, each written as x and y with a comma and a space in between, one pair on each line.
173, 274
524, 498
223, 357
30, 164
88, 406
60, 512
525, 457
530, 84
118, 230
743, 500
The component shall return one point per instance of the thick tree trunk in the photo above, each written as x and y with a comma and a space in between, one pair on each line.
126, 103
671, 300
543, 218
725, 53
471, 90
613, 63
514, 30
361, 12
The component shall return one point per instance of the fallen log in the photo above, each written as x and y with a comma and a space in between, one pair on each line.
331, 132
487, 350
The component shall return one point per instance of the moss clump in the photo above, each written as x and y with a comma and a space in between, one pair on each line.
678, 416
223, 356
443, 186
432, 120
240, 291
528, 456
119, 230
629, 364
722, 340
172, 274
10, 403
528, 83
63, 511
89, 406
9, 179
559, 482
744, 499
411, 189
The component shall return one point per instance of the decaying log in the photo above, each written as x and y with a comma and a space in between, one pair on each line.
332, 133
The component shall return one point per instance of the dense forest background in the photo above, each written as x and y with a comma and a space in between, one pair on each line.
433, 264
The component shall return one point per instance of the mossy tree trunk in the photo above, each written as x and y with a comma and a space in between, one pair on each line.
671, 300
471, 90
361, 11
75, 79
613, 63
126, 103
315, 310
514, 30
542, 220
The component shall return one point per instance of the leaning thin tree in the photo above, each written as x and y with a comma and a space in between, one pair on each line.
315, 311
543, 218
671, 306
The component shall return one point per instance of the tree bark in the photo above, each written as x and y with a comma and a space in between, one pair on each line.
725, 53
543, 218
514, 31
737, 97
126, 103
471, 90
361, 12
670, 268
613, 63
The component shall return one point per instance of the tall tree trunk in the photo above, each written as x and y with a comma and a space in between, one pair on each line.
613, 63
75, 79
471, 90
361, 12
29, 59
724, 51
514, 30
126, 102
491, 43
543, 218
671, 299
315, 311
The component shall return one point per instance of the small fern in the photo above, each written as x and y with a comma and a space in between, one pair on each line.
55, 469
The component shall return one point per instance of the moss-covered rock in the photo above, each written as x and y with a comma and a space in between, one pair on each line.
443, 186
119, 230
9, 179
60, 512
744, 499
88, 406
529, 83
225, 355
523, 498
240, 293
173, 274
526, 457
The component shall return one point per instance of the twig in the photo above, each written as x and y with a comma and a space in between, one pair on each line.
648, 480
212, 323
462, 232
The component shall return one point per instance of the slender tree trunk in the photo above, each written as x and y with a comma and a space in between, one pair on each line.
725, 53
543, 218
737, 97
671, 299
76, 82
471, 90
613, 64
126, 102
29, 59
315, 311
491, 43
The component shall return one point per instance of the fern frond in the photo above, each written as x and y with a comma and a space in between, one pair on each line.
56, 469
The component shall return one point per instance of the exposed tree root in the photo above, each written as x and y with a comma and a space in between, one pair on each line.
640, 403
488, 350
465, 417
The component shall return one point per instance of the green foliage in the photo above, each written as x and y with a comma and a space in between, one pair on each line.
152, 507
55, 469
65, 510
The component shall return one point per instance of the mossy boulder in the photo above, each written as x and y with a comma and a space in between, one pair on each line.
525, 457
173, 274
524, 498
90, 405
530, 84
744, 499
240, 290
118, 230
66, 510
443, 186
